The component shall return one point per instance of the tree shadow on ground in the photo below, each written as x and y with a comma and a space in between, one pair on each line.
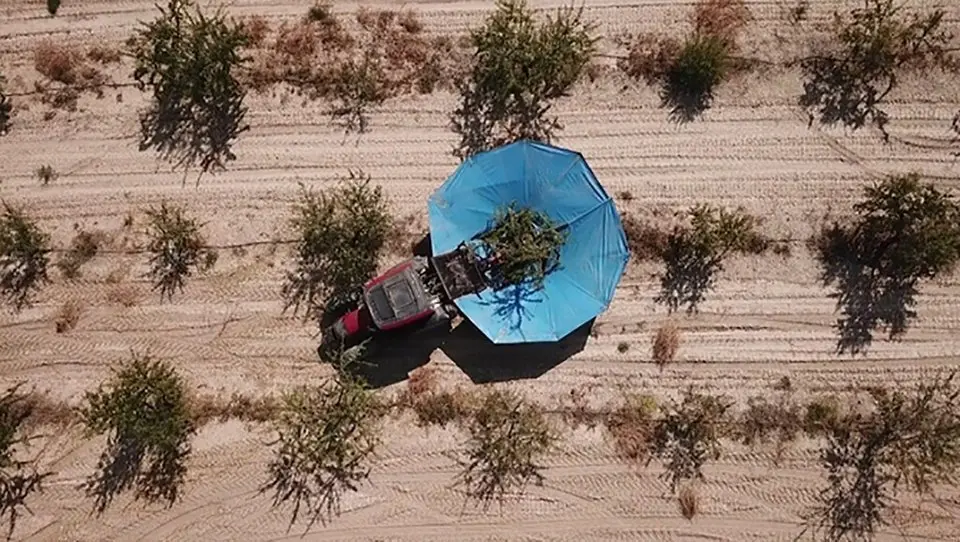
124, 465
484, 361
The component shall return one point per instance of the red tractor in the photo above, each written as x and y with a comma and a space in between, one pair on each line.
413, 296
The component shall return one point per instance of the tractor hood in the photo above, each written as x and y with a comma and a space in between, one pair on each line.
398, 297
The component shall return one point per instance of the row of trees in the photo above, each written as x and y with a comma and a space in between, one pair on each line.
519, 68
902, 233
327, 438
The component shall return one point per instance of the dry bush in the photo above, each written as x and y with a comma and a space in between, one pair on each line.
125, 295
723, 19
444, 407
645, 241
576, 410
688, 501
83, 248
631, 425
104, 55
821, 416
764, 421
508, 437
67, 72
665, 344
19, 479
256, 29
207, 408
68, 315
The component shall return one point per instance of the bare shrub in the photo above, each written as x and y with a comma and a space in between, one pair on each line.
19, 478
821, 416
125, 295
143, 411
903, 232
190, 61
326, 438
519, 69
666, 342
24, 257
871, 47
341, 234
256, 29
83, 248
104, 54
507, 438
631, 425
688, 435
68, 315
67, 73
645, 241
204, 409
722, 19
46, 174
177, 249
357, 87
909, 442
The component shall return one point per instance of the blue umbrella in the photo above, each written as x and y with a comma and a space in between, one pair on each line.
554, 181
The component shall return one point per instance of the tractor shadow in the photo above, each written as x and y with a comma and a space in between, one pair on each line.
391, 358
485, 362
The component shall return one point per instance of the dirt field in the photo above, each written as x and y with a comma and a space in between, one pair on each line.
768, 317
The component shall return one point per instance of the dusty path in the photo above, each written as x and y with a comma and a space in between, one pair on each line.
767, 319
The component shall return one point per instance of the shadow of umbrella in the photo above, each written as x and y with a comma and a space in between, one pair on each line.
484, 361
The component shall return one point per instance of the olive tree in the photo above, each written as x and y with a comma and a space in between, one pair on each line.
872, 46
143, 410
177, 249
24, 257
189, 61
903, 232
340, 235
519, 69
19, 478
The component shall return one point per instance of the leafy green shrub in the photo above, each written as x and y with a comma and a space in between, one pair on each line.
526, 244
327, 437
519, 70
904, 231
189, 60
341, 234
908, 442
688, 434
871, 47
143, 410
357, 87
507, 439
694, 255
688, 71
19, 479
24, 257
176, 247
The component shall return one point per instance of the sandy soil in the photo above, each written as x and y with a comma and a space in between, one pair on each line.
768, 318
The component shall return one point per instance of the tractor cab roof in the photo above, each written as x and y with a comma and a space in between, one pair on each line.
398, 296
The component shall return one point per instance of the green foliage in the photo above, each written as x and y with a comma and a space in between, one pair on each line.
526, 244
6, 108
904, 231
189, 61
519, 69
909, 441
688, 435
24, 257
507, 438
341, 234
143, 410
19, 479
53, 6
689, 81
694, 255
357, 87
176, 247
327, 436
872, 47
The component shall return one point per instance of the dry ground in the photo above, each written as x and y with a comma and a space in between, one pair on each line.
768, 318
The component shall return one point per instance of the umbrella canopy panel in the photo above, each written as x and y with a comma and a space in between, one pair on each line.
559, 183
